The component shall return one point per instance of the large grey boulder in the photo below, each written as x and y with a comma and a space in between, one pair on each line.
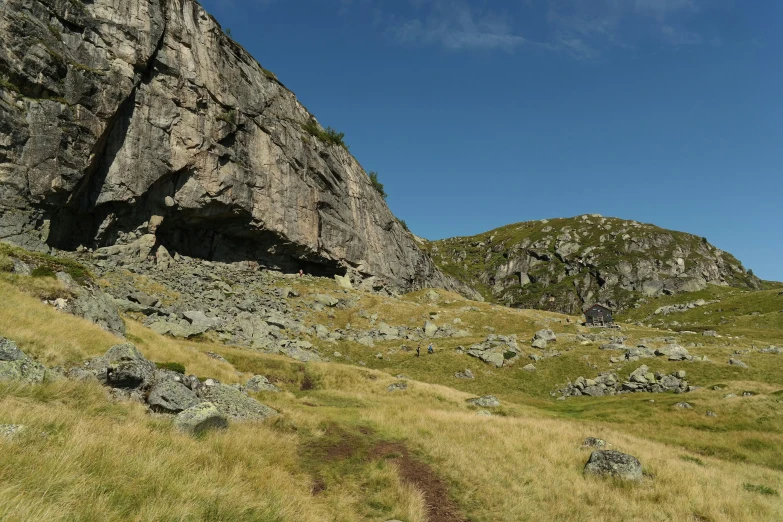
546, 334
539, 343
615, 464
170, 396
495, 350
674, 352
126, 367
15, 365
325, 300
430, 329
199, 322
9, 351
200, 418
259, 383
234, 403
738, 363
487, 401
93, 305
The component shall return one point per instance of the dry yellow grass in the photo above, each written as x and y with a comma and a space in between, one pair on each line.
112, 461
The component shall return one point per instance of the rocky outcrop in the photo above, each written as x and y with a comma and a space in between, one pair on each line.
566, 264
640, 380
141, 129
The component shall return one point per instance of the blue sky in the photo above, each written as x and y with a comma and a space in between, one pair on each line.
477, 114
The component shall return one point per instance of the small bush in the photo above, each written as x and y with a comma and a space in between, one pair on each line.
43, 271
761, 489
695, 460
6, 263
377, 184
172, 366
328, 135
509, 355
229, 117
404, 225
269, 74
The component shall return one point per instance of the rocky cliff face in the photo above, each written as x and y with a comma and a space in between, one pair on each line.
140, 123
565, 264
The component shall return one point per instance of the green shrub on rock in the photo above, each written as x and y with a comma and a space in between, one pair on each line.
43, 271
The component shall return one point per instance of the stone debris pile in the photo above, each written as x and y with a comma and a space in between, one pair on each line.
640, 380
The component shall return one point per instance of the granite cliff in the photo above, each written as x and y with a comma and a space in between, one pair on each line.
139, 125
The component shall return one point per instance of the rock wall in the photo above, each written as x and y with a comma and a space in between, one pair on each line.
125, 120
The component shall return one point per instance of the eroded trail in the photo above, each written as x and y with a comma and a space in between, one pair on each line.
440, 506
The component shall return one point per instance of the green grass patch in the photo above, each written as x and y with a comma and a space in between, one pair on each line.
43, 271
172, 366
761, 489
76, 270
695, 460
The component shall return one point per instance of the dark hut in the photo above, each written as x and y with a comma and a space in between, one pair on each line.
598, 315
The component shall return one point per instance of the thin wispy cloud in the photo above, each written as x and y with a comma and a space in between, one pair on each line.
582, 29
455, 24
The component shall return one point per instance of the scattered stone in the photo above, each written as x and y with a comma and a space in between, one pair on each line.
259, 383
529, 368
539, 343
487, 401
484, 413
710, 333
674, 352
200, 418
738, 363
729, 396
772, 349
217, 357
397, 386
711, 413
546, 334
683, 405
326, 300
615, 464
467, 374
593, 442
11, 431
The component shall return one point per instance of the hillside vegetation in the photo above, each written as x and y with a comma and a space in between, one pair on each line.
565, 264
347, 448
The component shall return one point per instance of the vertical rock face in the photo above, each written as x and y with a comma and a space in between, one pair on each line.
125, 119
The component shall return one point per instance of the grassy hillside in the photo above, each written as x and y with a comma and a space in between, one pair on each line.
347, 449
